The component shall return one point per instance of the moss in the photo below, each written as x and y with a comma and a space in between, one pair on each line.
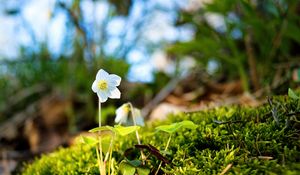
75, 160
253, 140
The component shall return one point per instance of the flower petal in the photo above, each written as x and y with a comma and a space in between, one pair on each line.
121, 119
114, 79
140, 121
138, 117
118, 118
103, 96
95, 87
121, 115
115, 93
102, 75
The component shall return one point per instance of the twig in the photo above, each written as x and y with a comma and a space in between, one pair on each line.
23, 95
75, 20
160, 96
265, 157
124, 47
226, 169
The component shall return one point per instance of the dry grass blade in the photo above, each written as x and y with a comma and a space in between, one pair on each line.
226, 169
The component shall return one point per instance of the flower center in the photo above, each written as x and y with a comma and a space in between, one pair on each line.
126, 108
102, 85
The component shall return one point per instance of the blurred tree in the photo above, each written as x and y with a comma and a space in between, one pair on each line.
86, 46
255, 41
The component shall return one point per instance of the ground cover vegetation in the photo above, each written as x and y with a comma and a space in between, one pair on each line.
233, 140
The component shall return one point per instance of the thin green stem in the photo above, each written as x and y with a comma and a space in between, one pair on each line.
136, 132
108, 155
98, 159
102, 169
134, 122
112, 165
166, 148
110, 161
168, 143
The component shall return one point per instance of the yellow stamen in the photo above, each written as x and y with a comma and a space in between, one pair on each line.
102, 85
126, 108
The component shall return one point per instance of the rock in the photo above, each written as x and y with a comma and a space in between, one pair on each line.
163, 109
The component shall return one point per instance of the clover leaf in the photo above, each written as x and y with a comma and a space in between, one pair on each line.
175, 126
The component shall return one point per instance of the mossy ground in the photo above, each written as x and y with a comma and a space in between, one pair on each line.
263, 140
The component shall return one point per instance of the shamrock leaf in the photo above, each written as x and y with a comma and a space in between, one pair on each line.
117, 129
89, 140
125, 130
175, 126
126, 168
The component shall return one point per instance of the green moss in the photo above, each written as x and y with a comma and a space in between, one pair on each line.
75, 160
250, 139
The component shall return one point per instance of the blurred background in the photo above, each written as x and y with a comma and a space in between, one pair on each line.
173, 55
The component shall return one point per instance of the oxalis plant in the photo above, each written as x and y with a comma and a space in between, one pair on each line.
105, 85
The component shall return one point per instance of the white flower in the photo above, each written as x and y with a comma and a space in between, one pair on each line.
139, 120
122, 115
105, 85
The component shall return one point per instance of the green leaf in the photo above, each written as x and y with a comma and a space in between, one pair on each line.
118, 129
102, 128
89, 140
175, 126
123, 131
143, 171
105, 142
293, 95
168, 128
126, 168
188, 124
134, 163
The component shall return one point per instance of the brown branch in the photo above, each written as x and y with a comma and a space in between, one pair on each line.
160, 96
21, 97
75, 20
